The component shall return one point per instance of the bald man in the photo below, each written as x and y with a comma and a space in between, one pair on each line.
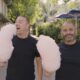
70, 53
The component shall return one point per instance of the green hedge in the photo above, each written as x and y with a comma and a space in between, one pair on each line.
49, 29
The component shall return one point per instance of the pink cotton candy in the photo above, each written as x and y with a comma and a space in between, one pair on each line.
8, 31
6, 47
49, 52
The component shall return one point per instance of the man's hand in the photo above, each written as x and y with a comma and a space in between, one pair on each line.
2, 64
47, 74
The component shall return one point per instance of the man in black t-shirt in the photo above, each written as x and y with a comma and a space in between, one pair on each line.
70, 54
21, 63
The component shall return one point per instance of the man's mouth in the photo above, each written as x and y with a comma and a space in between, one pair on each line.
69, 35
18, 28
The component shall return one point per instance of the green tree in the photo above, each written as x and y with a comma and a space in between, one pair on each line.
24, 7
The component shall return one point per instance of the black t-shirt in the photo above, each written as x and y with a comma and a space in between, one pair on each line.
70, 64
21, 63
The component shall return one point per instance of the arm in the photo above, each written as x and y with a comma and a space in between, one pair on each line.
39, 68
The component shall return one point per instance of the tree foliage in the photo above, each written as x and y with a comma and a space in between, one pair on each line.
36, 11
24, 7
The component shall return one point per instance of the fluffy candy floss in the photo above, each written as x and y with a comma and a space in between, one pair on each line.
6, 47
8, 31
49, 52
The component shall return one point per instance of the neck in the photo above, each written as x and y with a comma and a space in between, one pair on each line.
23, 35
70, 42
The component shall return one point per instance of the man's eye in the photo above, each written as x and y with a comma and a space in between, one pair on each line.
64, 30
70, 29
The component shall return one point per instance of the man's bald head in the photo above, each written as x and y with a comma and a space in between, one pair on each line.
68, 32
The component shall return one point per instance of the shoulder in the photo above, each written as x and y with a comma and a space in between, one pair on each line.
33, 38
14, 38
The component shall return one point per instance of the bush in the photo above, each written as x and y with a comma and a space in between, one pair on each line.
49, 29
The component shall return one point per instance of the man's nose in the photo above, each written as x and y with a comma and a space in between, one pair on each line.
68, 32
17, 24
